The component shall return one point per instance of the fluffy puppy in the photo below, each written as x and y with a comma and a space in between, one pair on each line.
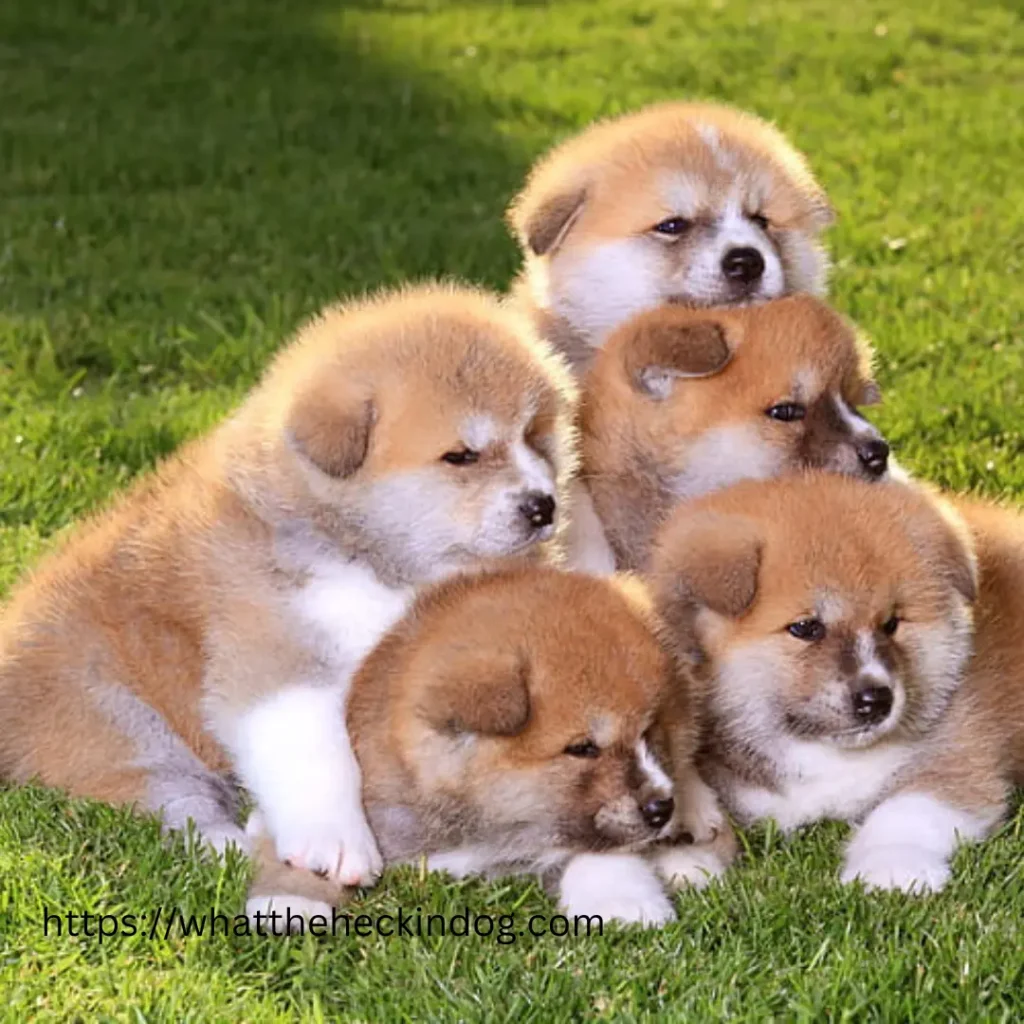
683, 402
681, 202
832, 621
214, 616
527, 721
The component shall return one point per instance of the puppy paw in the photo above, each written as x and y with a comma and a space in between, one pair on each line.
690, 866
284, 914
615, 887
361, 860
699, 813
348, 855
904, 866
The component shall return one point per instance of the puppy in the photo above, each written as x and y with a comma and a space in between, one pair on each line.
213, 618
526, 721
832, 621
682, 402
681, 202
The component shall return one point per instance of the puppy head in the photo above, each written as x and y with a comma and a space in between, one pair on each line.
819, 607
706, 398
427, 430
536, 705
691, 203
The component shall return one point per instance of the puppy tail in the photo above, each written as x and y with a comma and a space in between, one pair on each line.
283, 900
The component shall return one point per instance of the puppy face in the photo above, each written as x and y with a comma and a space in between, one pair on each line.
822, 608
693, 204
431, 430
703, 399
534, 705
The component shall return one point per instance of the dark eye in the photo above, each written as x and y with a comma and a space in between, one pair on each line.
891, 625
760, 220
672, 226
810, 630
787, 412
585, 748
461, 457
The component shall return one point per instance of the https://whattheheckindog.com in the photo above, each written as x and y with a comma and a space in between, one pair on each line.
166, 923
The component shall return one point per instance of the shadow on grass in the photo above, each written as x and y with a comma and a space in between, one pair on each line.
166, 163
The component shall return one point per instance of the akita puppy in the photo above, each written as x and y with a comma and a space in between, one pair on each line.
526, 721
691, 203
683, 402
212, 619
863, 652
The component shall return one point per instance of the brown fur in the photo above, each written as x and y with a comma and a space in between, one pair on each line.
462, 716
670, 380
608, 183
175, 600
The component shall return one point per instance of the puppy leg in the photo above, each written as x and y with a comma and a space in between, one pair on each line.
695, 865
615, 887
957, 794
173, 782
293, 752
698, 812
907, 841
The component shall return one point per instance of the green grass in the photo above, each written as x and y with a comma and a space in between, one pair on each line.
180, 182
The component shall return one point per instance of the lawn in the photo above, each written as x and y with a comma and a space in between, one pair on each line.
180, 182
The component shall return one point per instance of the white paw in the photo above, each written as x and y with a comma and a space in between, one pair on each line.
689, 866
348, 855
896, 866
615, 887
284, 914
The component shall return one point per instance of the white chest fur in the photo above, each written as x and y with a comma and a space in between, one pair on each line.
818, 781
346, 610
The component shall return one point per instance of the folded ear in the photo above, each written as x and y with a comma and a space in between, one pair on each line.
330, 423
477, 691
703, 560
542, 224
665, 344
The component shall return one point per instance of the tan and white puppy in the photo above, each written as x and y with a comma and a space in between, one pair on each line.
832, 621
692, 203
528, 721
680, 403
213, 618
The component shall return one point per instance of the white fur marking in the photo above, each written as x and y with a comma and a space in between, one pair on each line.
349, 610
479, 431
819, 781
907, 842
723, 456
650, 767
617, 887
871, 666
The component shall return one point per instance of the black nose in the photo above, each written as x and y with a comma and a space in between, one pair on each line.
539, 509
745, 265
657, 812
874, 456
873, 703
